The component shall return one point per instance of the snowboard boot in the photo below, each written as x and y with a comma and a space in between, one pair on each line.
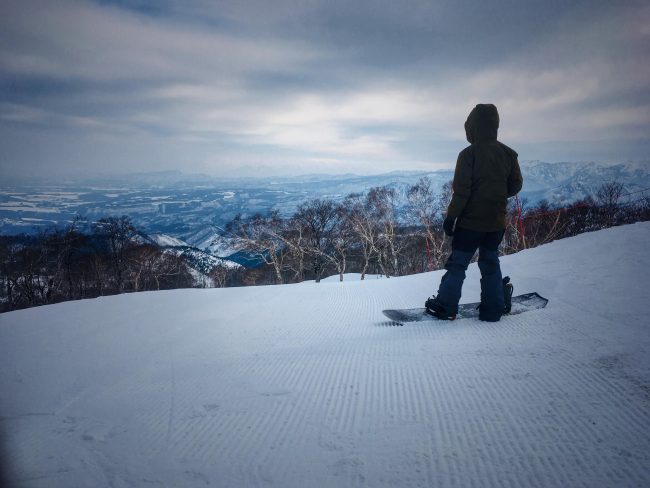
437, 309
507, 294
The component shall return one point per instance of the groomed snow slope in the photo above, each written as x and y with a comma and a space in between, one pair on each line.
309, 386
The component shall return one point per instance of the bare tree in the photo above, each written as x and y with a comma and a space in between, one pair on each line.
295, 239
142, 260
171, 271
10, 270
382, 202
118, 233
341, 241
66, 247
543, 224
579, 217
219, 274
98, 268
33, 280
364, 227
317, 218
513, 240
261, 236
422, 208
609, 195
427, 210
153, 268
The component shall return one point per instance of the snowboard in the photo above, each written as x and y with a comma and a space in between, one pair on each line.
520, 304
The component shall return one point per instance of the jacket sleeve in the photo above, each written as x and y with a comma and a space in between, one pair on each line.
462, 185
515, 180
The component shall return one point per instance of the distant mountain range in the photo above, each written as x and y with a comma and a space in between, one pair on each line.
190, 211
568, 182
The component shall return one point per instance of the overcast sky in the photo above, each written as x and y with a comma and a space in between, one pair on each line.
303, 86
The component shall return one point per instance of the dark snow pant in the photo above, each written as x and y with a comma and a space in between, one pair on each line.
463, 246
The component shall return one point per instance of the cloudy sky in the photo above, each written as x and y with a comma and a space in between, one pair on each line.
303, 86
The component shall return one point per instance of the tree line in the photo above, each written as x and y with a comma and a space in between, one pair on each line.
391, 234
363, 233
379, 232
72, 263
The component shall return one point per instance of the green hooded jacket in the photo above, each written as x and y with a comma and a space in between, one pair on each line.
487, 174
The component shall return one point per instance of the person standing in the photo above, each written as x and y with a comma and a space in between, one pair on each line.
487, 174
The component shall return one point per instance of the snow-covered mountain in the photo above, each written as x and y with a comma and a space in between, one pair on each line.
202, 259
309, 385
568, 182
210, 240
163, 240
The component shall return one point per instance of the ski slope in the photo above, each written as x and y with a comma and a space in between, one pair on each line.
309, 386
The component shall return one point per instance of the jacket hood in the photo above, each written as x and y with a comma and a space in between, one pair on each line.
482, 123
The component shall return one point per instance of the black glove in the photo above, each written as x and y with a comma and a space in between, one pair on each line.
449, 225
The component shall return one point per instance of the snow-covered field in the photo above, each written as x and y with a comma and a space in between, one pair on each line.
309, 386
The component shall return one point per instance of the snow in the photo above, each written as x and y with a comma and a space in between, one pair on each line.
347, 277
166, 240
26, 207
201, 279
309, 385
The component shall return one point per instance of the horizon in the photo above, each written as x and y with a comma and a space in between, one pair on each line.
238, 88
63, 180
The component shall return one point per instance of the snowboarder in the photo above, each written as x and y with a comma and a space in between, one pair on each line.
487, 174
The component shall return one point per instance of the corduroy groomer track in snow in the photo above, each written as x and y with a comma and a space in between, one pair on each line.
309, 386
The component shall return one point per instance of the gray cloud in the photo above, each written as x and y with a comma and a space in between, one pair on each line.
314, 85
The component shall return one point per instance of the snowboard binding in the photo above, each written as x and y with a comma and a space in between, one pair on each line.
508, 289
435, 308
